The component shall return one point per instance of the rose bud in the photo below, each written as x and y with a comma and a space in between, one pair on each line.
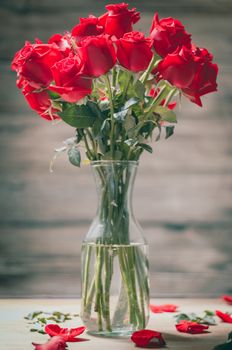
134, 51
168, 34
88, 27
192, 71
98, 54
34, 61
40, 102
119, 20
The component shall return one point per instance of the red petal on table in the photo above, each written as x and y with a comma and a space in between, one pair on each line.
147, 338
55, 343
227, 299
163, 308
224, 316
69, 335
185, 326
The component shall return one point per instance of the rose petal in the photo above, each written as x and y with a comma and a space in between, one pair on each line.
190, 327
147, 338
163, 308
55, 343
227, 299
224, 316
69, 335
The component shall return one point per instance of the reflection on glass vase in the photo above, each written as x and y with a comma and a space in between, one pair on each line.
115, 285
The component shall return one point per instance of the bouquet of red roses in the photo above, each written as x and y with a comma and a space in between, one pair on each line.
111, 83
117, 88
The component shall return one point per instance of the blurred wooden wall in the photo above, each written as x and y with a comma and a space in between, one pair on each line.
183, 194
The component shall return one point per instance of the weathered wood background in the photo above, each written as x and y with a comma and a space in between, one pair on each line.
183, 194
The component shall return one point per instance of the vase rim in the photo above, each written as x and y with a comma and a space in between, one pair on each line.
109, 161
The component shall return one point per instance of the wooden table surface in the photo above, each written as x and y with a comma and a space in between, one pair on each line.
15, 334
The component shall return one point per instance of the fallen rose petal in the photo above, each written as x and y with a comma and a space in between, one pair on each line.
224, 316
69, 335
163, 308
185, 326
227, 299
147, 338
55, 343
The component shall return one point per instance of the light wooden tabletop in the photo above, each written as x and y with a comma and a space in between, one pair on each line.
15, 334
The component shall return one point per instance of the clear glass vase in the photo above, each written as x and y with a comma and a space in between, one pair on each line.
115, 285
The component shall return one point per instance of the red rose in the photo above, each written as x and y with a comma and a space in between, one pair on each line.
192, 71
185, 326
63, 42
71, 81
34, 61
205, 76
98, 54
88, 27
134, 51
118, 20
40, 102
168, 34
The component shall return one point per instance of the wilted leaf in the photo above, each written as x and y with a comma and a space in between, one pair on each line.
131, 102
74, 156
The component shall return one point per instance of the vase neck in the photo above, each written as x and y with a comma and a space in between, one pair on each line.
115, 181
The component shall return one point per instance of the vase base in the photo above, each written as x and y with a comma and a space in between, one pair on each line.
112, 334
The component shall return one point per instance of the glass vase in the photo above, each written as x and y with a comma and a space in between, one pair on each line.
115, 285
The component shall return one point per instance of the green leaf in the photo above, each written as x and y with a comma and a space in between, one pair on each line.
208, 320
78, 116
53, 95
146, 147
181, 317
93, 106
166, 114
209, 313
96, 128
74, 156
123, 77
129, 122
169, 131
139, 89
